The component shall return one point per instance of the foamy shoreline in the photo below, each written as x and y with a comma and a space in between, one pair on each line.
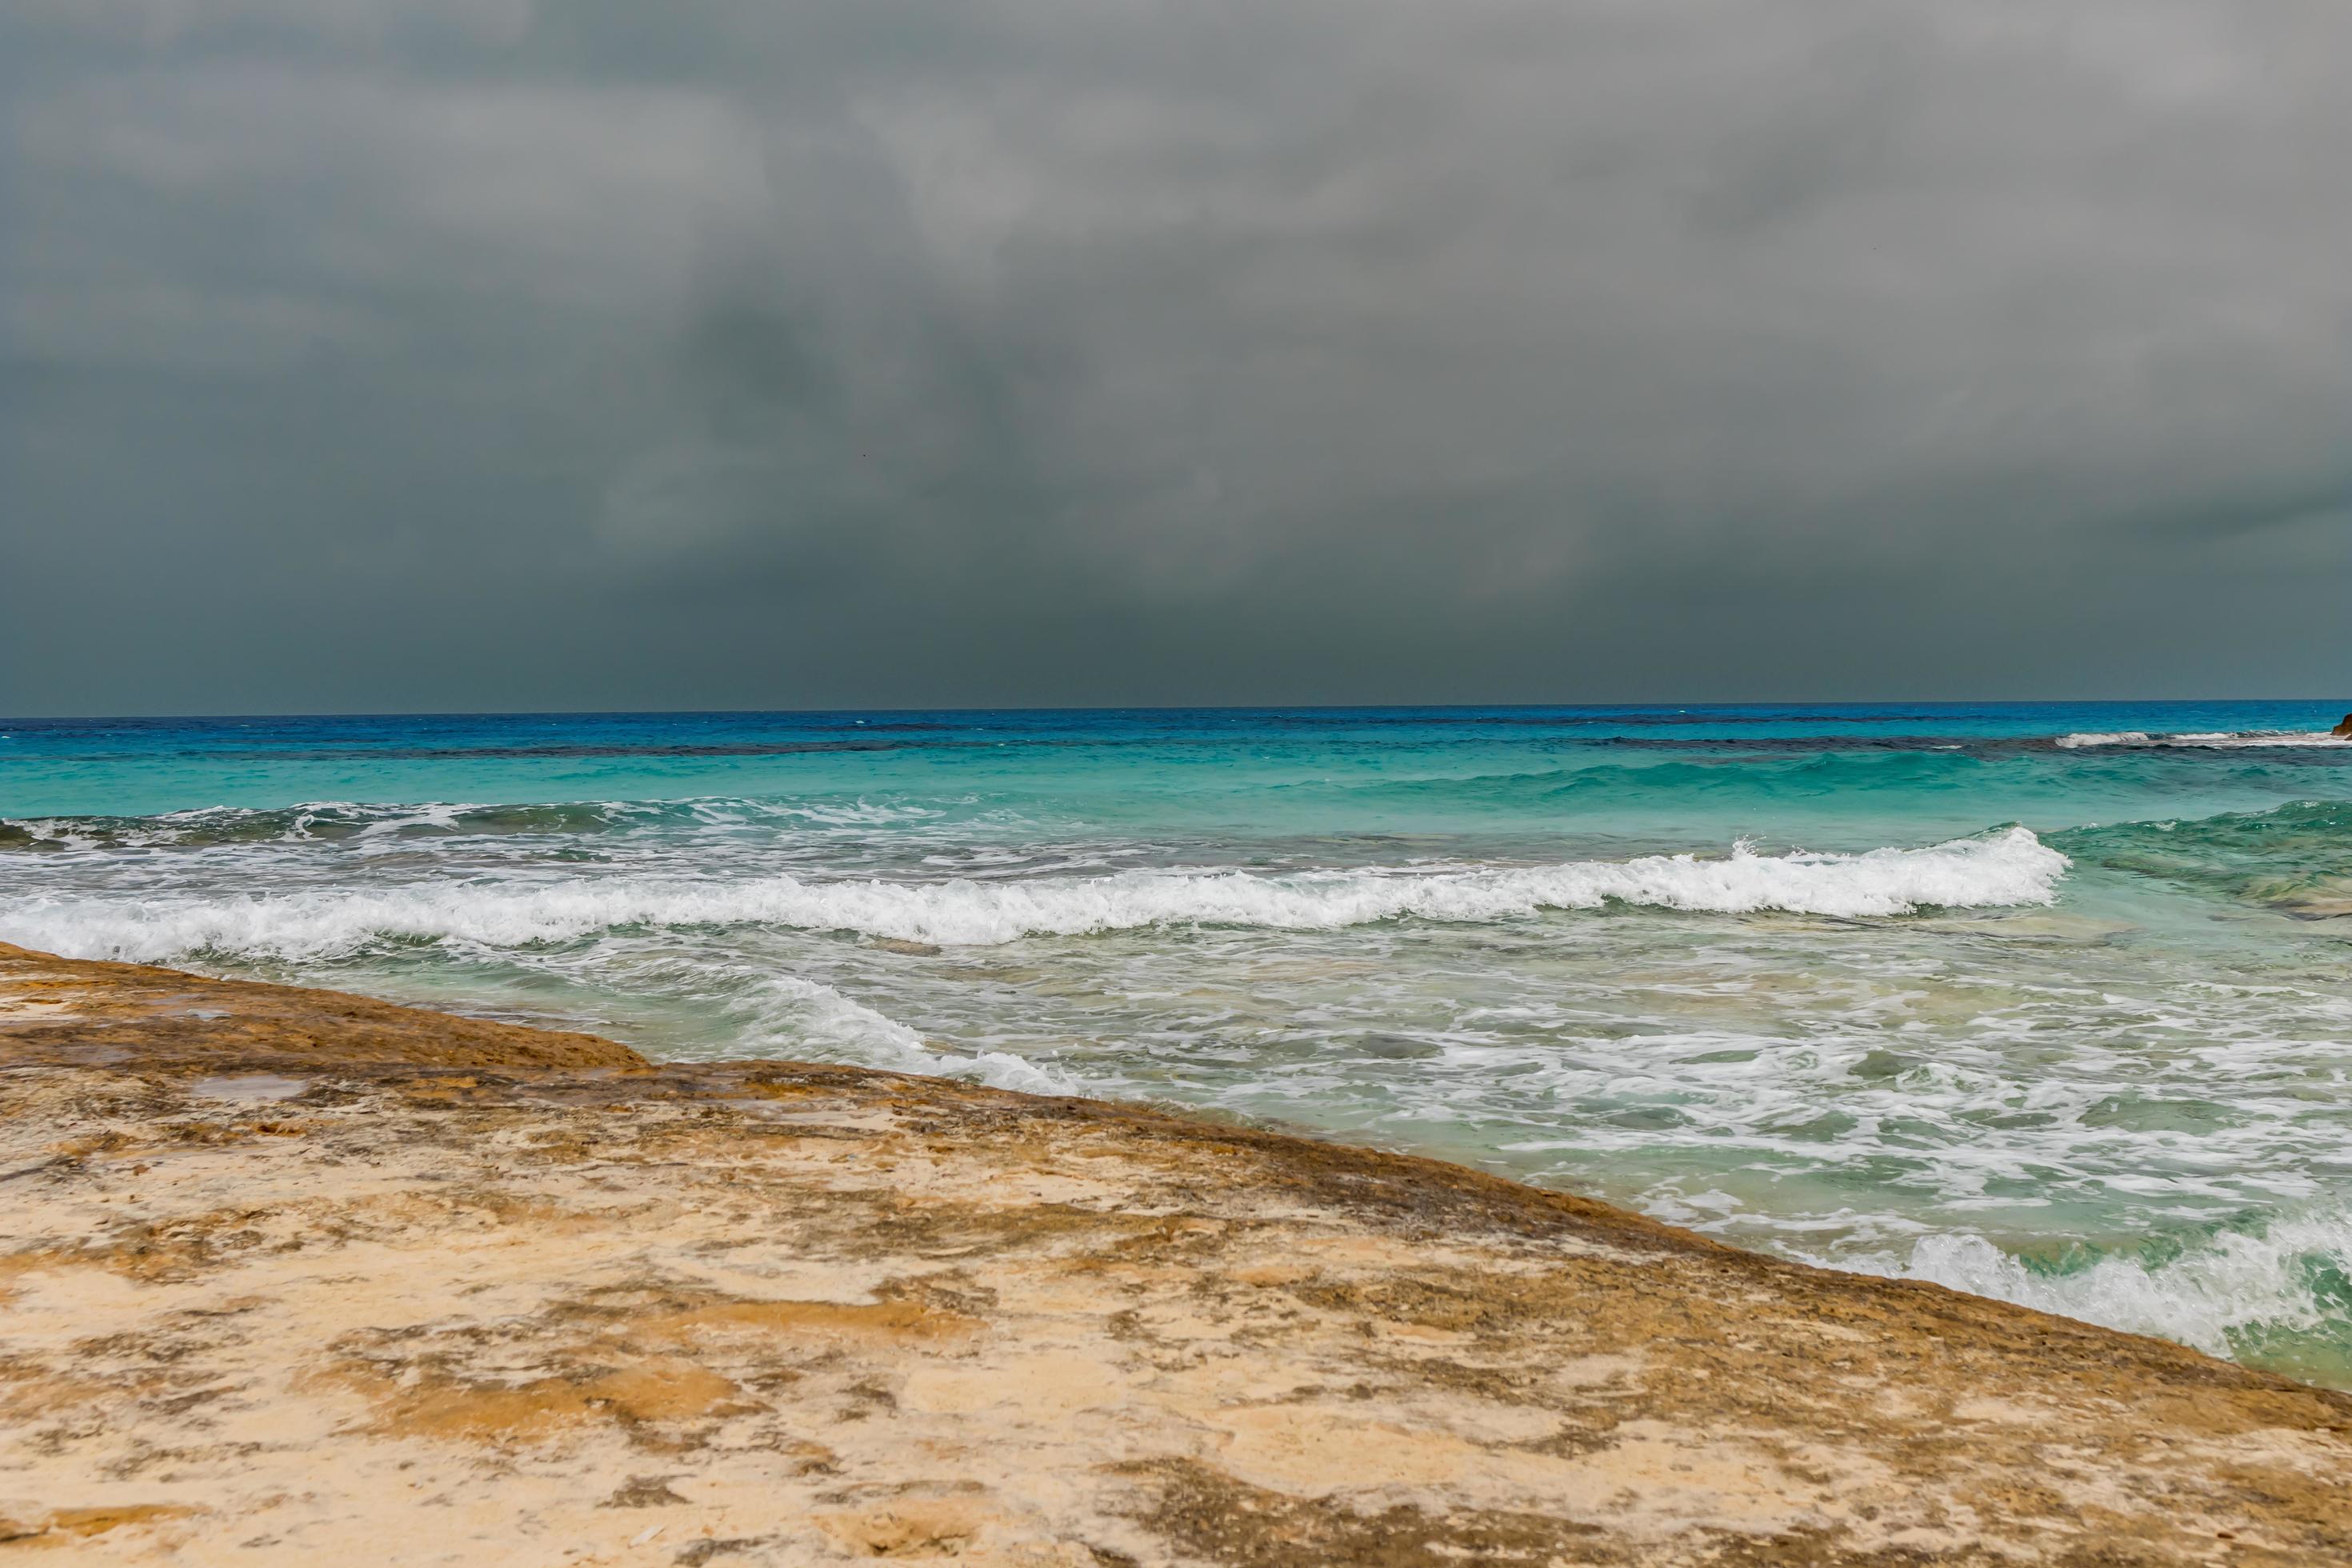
308, 1274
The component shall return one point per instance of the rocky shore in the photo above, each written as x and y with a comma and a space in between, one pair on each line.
293, 1276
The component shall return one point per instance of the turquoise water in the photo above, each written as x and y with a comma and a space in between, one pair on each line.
2045, 1001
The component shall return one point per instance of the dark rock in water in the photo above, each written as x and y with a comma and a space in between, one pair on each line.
2344, 730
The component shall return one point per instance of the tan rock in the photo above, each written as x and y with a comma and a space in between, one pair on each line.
323, 1279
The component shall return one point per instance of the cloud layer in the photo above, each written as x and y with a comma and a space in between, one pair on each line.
393, 353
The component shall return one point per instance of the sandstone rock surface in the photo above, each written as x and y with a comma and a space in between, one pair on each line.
290, 1277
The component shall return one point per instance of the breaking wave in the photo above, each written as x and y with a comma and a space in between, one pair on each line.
2009, 866
334, 822
2237, 1293
2217, 740
811, 1014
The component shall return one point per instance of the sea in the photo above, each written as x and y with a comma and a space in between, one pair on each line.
2048, 1002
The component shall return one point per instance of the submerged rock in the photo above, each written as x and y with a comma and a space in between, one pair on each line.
476, 1294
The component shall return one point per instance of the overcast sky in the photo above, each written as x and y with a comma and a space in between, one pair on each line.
367, 354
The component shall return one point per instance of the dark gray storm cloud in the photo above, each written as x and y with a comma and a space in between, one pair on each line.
475, 354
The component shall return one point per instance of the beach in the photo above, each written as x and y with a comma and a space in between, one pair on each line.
293, 1275
2043, 1002
1078, 786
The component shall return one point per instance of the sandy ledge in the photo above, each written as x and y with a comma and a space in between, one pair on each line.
293, 1276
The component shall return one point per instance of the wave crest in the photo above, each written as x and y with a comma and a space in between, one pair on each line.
334, 822
2008, 868
797, 1014
2217, 740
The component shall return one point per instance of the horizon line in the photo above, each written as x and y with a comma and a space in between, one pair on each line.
1683, 705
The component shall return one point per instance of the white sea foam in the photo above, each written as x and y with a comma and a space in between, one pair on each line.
817, 1015
2084, 738
2005, 868
2217, 740
2235, 1282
